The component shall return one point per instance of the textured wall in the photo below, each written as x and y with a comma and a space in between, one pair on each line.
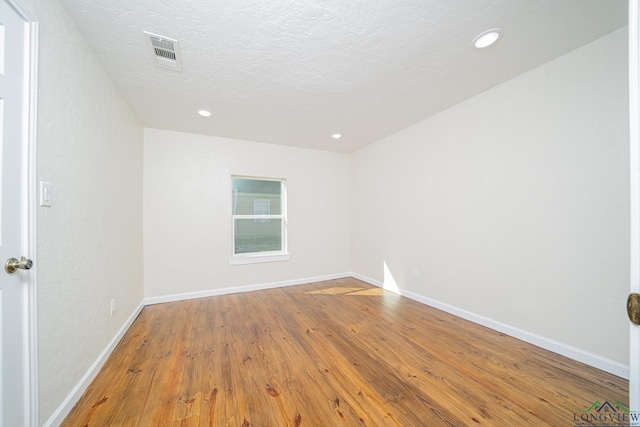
90, 241
514, 204
187, 211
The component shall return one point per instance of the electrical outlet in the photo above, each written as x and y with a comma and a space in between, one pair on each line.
113, 306
415, 274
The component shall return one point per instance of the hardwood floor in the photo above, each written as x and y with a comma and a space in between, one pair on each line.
331, 353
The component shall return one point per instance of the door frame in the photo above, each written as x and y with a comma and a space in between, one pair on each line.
634, 184
28, 214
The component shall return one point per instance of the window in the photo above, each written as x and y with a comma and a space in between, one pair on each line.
259, 222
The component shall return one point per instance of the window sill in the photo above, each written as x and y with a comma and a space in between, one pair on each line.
255, 259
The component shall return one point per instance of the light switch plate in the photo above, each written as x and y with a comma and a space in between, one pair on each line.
46, 194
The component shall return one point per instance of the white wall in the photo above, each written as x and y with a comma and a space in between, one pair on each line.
513, 205
187, 211
90, 241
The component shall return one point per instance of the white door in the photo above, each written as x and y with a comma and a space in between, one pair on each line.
634, 132
12, 134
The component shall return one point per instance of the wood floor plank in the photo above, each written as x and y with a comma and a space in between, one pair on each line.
331, 353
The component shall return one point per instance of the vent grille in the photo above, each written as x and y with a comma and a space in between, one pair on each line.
164, 51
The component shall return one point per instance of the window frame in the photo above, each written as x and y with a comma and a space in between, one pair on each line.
264, 256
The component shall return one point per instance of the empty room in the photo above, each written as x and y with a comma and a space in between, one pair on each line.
319, 213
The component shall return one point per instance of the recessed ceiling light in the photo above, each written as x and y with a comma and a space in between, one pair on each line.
204, 113
336, 136
487, 38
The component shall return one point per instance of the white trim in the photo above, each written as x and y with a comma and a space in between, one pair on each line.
591, 359
239, 289
574, 353
28, 216
369, 280
634, 196
256, 259
72, 398
32, 328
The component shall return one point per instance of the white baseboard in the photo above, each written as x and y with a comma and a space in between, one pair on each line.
369, 280
574, 353
67, 405
239, 289
69, 402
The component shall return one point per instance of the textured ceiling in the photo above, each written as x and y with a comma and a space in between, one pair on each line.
294, 72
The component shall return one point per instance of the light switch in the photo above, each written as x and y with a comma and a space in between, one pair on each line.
46, 195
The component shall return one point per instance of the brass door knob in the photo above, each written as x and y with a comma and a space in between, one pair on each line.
633, 308
12, 265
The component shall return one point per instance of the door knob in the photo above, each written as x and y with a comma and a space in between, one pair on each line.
633, 308
12, 265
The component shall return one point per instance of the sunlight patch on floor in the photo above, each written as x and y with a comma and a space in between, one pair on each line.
335, 291
374, 291
349, 291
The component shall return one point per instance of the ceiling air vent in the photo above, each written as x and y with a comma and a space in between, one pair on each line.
164, 51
